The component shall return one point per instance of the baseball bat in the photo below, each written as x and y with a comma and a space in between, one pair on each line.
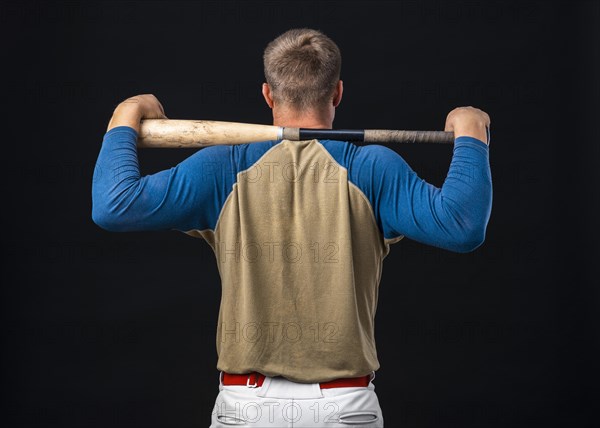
171, 133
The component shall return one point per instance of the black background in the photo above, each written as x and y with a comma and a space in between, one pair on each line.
103, 329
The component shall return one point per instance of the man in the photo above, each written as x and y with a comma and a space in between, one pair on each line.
299, 231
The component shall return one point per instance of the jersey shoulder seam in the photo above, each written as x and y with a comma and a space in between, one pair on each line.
234, 185
358, 189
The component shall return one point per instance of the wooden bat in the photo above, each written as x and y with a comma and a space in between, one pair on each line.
170, 133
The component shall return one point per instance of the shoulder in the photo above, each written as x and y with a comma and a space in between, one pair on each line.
235, 157
359, 160
378, 153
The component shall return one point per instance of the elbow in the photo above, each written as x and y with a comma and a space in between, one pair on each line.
469, 229
104, 219
470, 240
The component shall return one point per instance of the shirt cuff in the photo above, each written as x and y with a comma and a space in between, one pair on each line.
122, 128
470, 140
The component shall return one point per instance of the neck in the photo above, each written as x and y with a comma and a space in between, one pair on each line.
314, 119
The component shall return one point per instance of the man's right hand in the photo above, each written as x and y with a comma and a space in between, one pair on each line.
131, 111
468, 121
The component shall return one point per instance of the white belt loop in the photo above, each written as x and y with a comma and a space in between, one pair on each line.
255, 381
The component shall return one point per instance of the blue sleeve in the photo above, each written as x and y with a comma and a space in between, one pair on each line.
453, 217
183, 198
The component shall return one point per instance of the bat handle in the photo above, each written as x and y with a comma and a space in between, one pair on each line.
369, 135
393, 136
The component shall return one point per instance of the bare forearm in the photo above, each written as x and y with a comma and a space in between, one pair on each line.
131, 111
468, 122
471, 129
126, 114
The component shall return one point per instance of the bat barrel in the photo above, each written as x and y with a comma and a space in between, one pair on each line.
202, 133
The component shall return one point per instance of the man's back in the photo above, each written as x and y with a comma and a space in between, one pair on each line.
300, 255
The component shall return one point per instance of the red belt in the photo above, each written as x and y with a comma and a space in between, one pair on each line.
254, 380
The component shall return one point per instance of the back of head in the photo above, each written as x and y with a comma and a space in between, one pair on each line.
302, 68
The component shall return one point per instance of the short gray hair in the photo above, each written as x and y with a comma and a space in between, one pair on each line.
302, 68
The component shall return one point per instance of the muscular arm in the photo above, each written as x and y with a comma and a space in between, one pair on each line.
181, 198
453, 217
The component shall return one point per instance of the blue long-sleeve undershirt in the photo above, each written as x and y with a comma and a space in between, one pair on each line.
191, 194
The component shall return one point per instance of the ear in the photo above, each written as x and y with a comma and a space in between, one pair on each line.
266, 91
337, 95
